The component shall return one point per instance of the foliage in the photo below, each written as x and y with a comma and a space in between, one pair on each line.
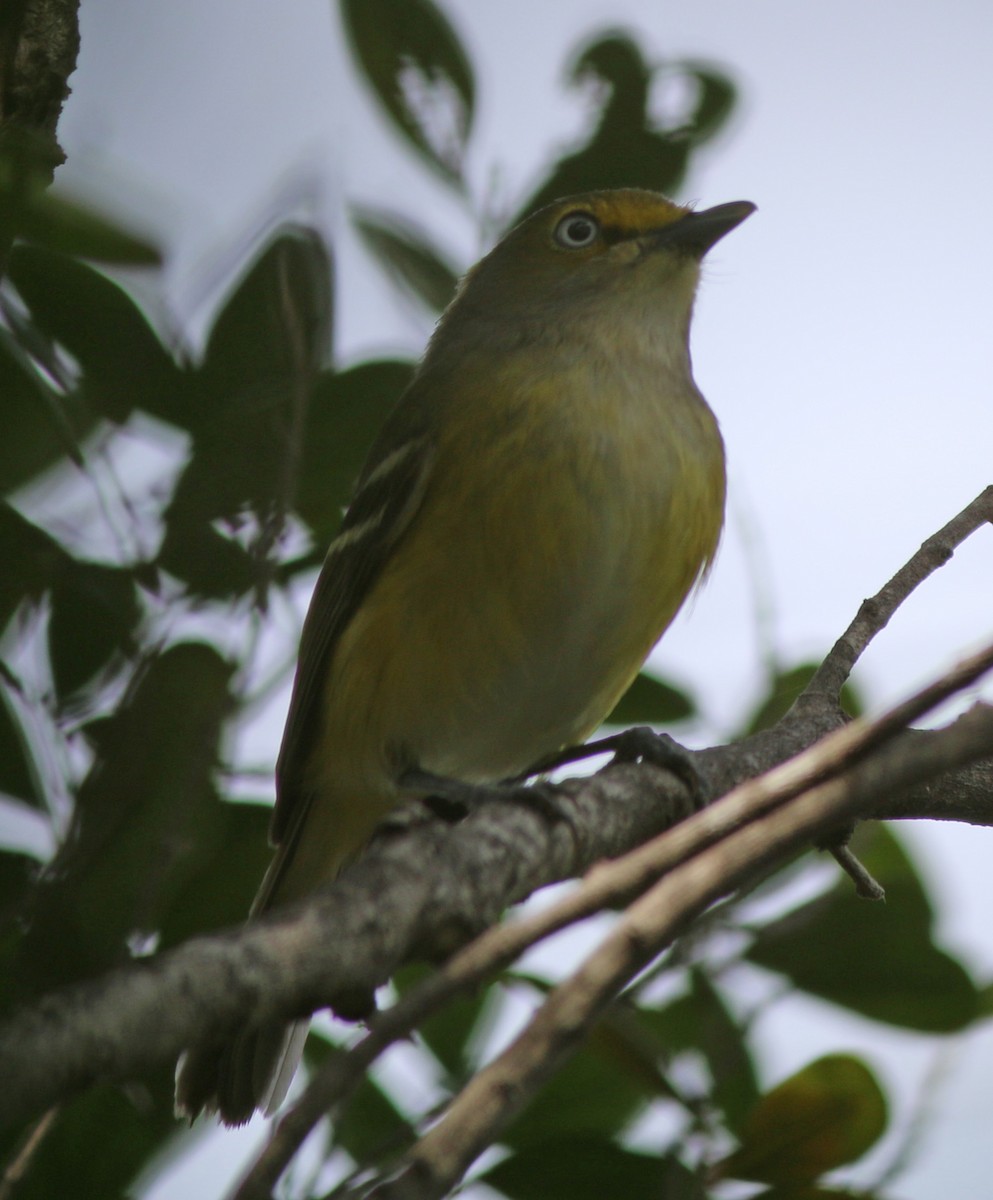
193, 496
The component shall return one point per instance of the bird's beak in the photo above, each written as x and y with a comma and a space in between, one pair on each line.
695, 233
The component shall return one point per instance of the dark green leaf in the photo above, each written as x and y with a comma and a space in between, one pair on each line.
576, 1166
722, 1040
650, 701
211, 565
346, 413
136, 819
95, 611
40, 426
123, 362
220, 871
449, 1032
715, 100
602, 1087
70, 228
824, 1116
416, 66
409, 257
102, 1142
31, 558
625, 146
876, 959
18, 771
275, 326
372, 1127
250, 416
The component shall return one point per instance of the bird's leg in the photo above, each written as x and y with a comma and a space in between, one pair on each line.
631, 745
453, 799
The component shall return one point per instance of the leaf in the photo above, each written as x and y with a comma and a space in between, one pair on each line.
346, 412
372, 1127
417, 68
624, 146
599, 1091
875, 959
651, 701
102, 1141
580, 1166
276, 322
136, 820
828, 1114
123, 362
211, 565
95, 610
19, 774
41, 426
408, 257
220, 870
249, 416
450, 1031
31, 558
721, 1038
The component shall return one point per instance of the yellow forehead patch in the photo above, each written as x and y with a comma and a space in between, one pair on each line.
624, 212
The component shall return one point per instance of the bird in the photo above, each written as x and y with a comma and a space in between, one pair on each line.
533, 514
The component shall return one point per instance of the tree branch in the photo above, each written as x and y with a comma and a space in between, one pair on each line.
502, 1089
608, 884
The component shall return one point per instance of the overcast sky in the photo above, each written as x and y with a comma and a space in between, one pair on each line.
843, 334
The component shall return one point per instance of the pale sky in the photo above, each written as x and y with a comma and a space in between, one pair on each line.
842, 334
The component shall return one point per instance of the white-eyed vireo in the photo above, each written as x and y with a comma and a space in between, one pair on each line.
529, 521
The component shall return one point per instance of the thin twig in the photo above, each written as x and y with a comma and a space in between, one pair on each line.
501, 1090
606, 884
875, 613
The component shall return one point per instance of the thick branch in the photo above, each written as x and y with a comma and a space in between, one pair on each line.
415, 895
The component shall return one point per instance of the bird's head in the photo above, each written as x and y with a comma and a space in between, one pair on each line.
622, 256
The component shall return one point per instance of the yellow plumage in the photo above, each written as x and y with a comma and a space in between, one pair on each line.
529, 522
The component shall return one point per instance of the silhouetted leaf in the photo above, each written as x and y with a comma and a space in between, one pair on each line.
40, 426
68, 227
371, 1128
409, 257
221, 870
651, 701
123, 362
346, 412
211, 565
448, 1033
876, 959
31, 558
136, 819
716, 95
252, 395
587, 1165
416, 66
828, 1114
102, 1142
600, 1090
18, 772
626, 146
95, 610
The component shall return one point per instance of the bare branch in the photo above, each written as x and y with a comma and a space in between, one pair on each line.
875, 613
502, 1089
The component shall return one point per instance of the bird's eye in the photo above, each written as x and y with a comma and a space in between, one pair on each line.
576, 230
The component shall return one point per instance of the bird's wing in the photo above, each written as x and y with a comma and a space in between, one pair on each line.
388, 495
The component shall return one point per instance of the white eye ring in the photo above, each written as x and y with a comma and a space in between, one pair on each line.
577, 229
